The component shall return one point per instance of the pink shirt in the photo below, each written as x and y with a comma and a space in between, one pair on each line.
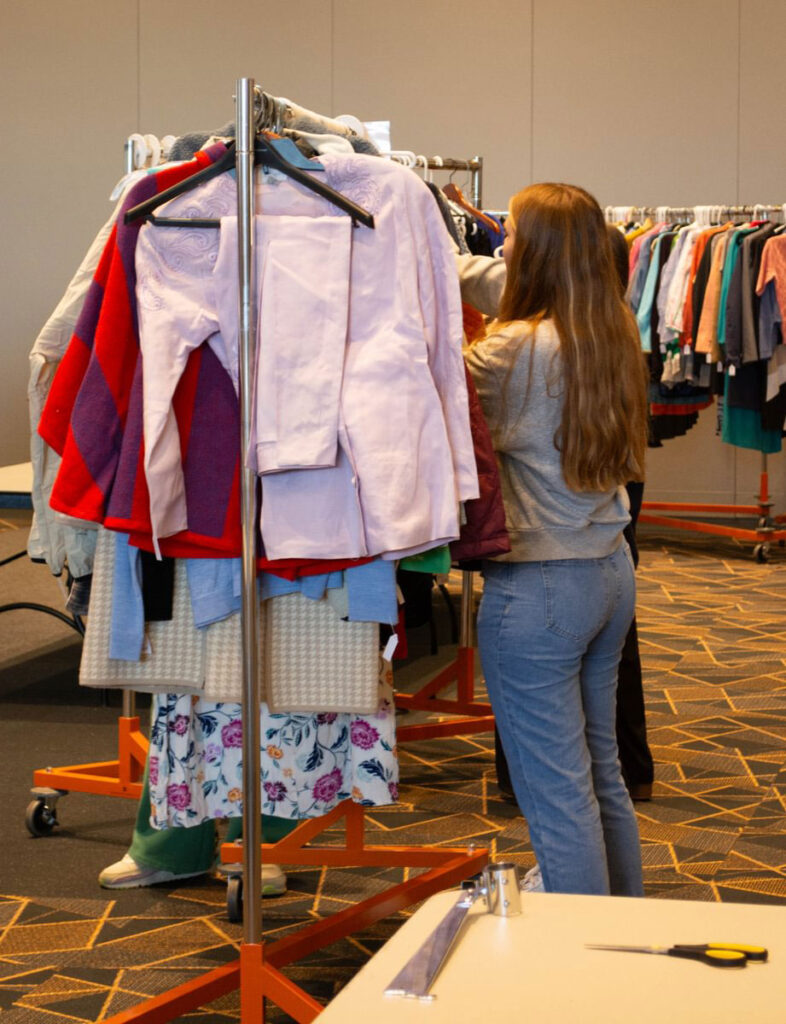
362, 425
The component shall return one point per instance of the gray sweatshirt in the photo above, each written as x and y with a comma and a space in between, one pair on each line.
545, 518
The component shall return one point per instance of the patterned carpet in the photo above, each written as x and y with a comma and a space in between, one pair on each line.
712, 627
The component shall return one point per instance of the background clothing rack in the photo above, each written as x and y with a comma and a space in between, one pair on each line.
475, 168
718, 211
474, 165
256, 971
766, 531
467, 715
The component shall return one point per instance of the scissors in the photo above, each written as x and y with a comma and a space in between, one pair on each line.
715, 954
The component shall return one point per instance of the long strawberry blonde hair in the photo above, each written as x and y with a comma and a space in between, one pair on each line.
562, 269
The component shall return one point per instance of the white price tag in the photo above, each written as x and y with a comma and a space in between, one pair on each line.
390, 647
732, 370
719, 366
687, 350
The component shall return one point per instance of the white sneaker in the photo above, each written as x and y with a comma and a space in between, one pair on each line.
532, 881
274, 881
127, 874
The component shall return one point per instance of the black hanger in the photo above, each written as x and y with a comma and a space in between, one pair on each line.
224, 163
264, 153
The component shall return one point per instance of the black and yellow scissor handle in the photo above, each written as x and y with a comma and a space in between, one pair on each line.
709, 954
753, 954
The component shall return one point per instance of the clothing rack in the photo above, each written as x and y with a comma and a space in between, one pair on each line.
123, 777
474, 166
467, 714
146, 150
257, 970
697, 213
766, 532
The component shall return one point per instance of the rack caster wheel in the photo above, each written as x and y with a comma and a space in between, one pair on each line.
762, 553
235, 899
41, 814
40, 819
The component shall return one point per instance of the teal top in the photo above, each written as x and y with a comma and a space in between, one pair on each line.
729, 263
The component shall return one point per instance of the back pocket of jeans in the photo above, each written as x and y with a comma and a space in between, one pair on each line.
577, 598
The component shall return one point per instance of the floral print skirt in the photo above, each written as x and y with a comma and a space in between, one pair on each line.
310, 762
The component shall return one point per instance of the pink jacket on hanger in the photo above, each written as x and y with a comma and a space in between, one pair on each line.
359, 346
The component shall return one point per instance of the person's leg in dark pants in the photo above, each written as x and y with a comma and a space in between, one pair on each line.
638, 769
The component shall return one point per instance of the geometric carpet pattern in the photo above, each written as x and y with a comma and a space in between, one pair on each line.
712, 634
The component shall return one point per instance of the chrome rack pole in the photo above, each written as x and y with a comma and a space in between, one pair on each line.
129, 697
477, 183
252, 830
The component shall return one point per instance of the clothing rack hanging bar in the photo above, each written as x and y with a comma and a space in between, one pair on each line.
686, 211
449, 164
474, 165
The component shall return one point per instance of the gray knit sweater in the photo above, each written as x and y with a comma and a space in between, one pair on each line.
545, 518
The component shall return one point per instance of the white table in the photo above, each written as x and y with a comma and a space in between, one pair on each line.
535, 968
16, 484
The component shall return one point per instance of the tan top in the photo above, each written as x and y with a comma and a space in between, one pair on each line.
773, 268
707, 336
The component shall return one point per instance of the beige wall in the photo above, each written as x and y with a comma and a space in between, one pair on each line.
644, 103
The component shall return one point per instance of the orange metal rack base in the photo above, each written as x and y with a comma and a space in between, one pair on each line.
764, 534
470, 716
106, 778
475, 716
257, 970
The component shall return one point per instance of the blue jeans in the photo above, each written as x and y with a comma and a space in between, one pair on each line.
550, 636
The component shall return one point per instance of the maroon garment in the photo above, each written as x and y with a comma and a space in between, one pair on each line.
484, 534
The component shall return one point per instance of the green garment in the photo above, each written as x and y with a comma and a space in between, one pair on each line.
742, 428
729, 263
185, 851
436, 561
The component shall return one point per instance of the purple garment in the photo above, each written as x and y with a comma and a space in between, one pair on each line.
209, 471
404, 456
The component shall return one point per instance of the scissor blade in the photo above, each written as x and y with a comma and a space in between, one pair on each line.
629, 949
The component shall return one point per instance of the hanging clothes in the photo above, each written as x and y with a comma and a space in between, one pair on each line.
402, 326
709, 327
661, 258
403, 449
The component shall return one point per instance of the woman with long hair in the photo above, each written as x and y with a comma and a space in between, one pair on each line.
563, 385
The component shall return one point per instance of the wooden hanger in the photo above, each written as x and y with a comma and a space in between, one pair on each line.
454, 192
